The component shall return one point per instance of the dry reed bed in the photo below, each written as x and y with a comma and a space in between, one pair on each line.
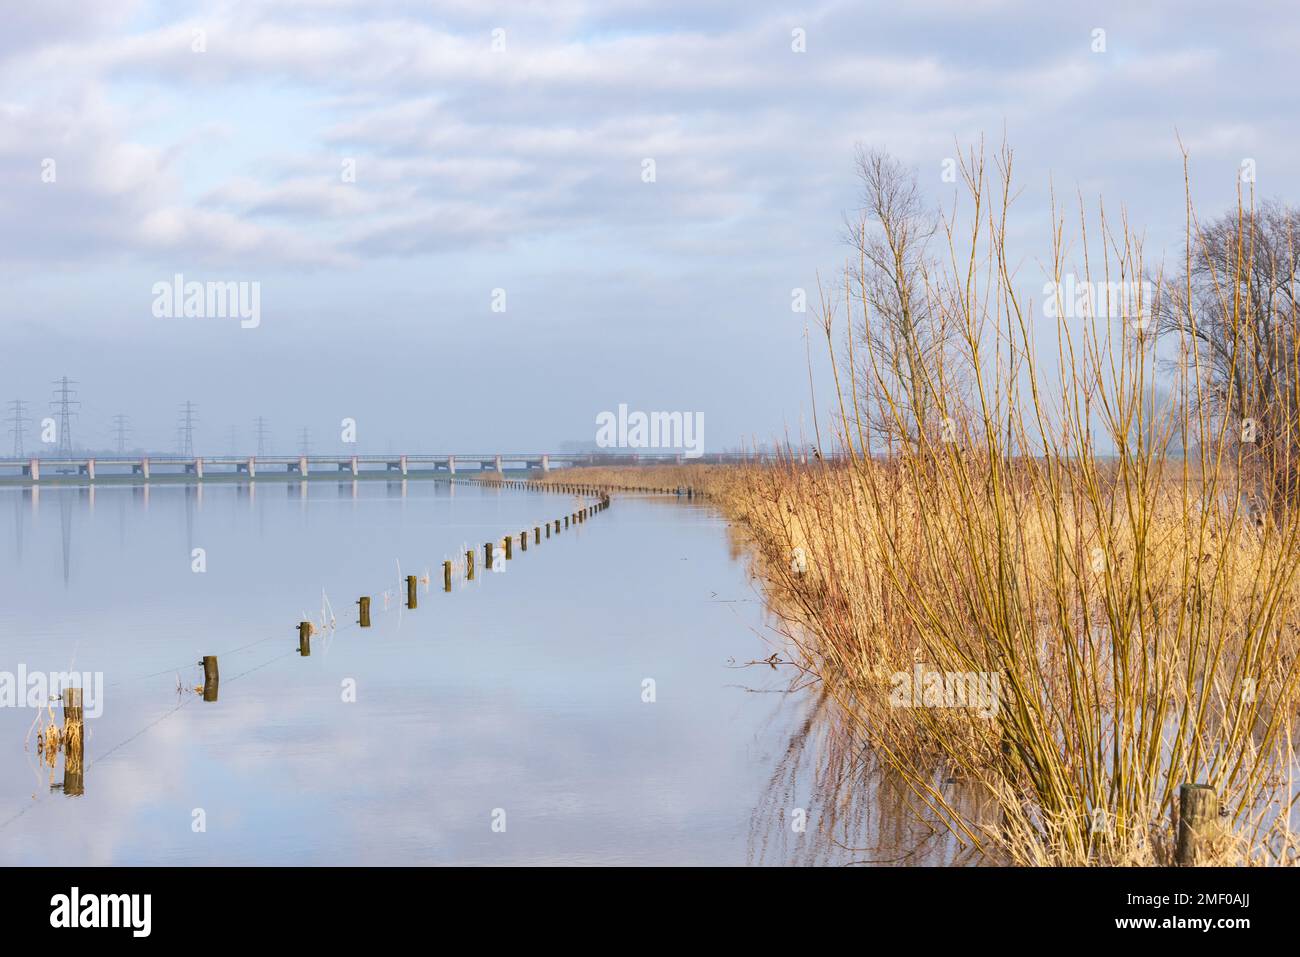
1033, 524
1168, 657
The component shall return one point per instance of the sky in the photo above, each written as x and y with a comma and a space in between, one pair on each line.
476, 226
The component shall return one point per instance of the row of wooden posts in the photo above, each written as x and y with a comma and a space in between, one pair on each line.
72, 743
412, 581
211, 672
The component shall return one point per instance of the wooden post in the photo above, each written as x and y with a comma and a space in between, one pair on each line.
508, 555
364, 602
446, 575
1198, 818
548, 529
411, 596
523, 540
469, 565
487, 556
566, 521
72, 711
537, 534
304, 638
74, 743
211, 678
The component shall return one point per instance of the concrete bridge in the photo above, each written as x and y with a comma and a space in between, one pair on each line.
90, 468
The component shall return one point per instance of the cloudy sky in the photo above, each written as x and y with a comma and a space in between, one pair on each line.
381, 167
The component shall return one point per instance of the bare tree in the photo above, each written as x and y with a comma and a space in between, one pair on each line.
1235, 305
901, 335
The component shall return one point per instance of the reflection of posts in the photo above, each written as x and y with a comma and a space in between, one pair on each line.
74, 779
211, 679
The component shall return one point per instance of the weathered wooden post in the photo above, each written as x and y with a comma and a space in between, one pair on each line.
548, 529
1198, 819
211, 678
74, 743
72, 711
537, 534
487, 556
523, 540
508, 554
304, 638
446, 575
566, 521
364, 602
469, 565
412, 598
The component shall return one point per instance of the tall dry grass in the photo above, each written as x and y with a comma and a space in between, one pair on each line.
1134, 606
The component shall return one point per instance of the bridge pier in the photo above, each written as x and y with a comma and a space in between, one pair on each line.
88, 469
141, 468
33, 470
349, 466
451, 464
300, 466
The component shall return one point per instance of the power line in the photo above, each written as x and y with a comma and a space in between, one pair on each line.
18, 425
262, 435
121, 429
186, 428
64, 406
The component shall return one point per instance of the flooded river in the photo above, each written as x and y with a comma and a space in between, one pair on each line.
592, 703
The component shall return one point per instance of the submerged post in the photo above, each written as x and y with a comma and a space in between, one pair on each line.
364, 602
411, 599
537, 534
446, 575
211, 678
72, 705
508, 555
523, 540
1198, 816
469, 565
74, 743
304, 638
487, 556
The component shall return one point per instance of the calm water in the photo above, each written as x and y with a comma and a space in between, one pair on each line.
521, 692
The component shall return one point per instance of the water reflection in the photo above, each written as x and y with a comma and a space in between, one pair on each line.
520, 690
828, 801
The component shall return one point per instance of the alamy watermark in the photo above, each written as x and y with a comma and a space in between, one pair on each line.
918, 688
179, 299
1080, 299
651, 430
37, 689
